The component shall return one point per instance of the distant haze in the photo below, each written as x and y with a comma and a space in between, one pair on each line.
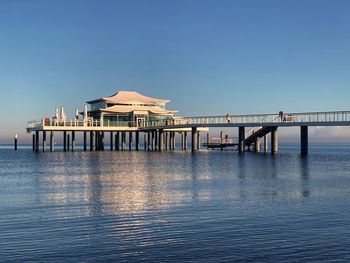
207, 57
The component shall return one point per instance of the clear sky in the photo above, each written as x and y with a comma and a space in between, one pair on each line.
208, 57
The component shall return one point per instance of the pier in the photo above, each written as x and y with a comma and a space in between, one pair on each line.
160, 135
125, 116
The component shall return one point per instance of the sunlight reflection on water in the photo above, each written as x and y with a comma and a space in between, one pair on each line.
153, 206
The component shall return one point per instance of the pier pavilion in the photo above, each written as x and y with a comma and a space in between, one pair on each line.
132, 113
130, 107
124, 114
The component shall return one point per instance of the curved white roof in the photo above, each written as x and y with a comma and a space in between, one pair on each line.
129, 97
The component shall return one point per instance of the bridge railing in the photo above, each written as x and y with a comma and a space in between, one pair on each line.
316, 117
335, 116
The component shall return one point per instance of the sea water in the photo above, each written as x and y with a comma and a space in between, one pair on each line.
175, 206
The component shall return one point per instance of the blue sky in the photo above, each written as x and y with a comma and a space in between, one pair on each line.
208, 57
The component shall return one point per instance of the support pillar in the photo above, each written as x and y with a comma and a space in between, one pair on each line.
137, 140
130, 141
145, 141
185, 141
68, 142
266, 146
198, 141
241, 138
116, 143
102, 141
73, 141
182, 141
148, 141
194, 137
37, 141
64, 141
208, 140
161, 140
173, 141
44, 141
91, 141
152, 143
166, 140
33, 142
257, 144
52, 141
85, 141
304, 140
111, 141
170, 141
97, 141
123, 141
156, 143
274, 140
15, 141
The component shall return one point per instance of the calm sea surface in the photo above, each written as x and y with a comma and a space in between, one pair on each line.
175, 206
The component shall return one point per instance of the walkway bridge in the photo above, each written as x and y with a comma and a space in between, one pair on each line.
260, 125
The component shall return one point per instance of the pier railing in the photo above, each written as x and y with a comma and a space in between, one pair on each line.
47, 122
287, 118
218, 140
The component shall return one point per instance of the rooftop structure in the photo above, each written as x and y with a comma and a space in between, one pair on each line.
130, 106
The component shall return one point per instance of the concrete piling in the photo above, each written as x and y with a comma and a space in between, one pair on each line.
37, 141
156, 143
152, 141
33, 138
130, 141
208, 141
91, 141
111, 141
73, 141
266, 146
166, 140
161, 140
194, 138
137, 140
257, 144
15, 141
304, 140
198, 141
37, 134
274, 140
96, 141
116, 143
52, 141
102, 141
85, 141
148, 141
64, 141
241, 138
182, 141
123, 141
174, 141
44, 141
